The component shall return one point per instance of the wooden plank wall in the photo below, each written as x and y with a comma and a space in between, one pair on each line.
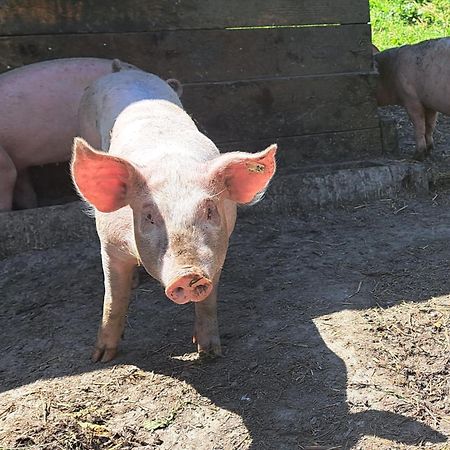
310, 88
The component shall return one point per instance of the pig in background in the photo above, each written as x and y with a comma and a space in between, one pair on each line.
418, 78
38, 119
164, 197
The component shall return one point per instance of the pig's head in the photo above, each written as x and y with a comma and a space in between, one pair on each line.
182, 217
387, 91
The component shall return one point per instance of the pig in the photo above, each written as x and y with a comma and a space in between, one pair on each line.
163, 197
418, 78
38, 119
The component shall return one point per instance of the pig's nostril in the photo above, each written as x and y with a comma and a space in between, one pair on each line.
179, 291
201, 289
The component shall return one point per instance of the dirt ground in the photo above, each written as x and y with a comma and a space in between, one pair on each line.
335, 326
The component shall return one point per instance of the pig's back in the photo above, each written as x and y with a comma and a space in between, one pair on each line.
150, 130
426, 66
121, 97
38, 107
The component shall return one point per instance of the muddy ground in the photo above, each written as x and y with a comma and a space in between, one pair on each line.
335, 328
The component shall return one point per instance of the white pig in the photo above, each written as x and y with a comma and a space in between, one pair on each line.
418, 78
164, 197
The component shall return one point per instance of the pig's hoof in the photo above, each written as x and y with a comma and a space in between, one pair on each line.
209, 355
419, 156
103, 354
208, 349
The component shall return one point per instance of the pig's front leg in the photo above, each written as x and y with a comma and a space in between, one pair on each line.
416, 113
118, 274
206, 331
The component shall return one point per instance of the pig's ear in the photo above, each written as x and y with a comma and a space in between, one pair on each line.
103, 180
243, 175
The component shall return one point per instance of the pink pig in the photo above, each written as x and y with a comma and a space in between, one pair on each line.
38, 119
164, 197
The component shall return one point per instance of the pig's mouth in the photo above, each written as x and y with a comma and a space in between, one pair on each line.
192, 287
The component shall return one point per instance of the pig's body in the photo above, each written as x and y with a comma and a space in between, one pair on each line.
161, 198
38, 119
418, 78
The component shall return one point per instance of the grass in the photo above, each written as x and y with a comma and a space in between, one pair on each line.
399, 22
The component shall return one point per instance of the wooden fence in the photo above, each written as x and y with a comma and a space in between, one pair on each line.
296, 72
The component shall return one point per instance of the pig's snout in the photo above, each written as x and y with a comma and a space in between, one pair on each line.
191, 287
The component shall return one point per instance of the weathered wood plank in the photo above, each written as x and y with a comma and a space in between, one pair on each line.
53, 185
282, 107
21, 17
317, 148
210, 55
245, 111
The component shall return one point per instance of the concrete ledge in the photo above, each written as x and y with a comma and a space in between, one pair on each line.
313, 187
346, 183
44, 228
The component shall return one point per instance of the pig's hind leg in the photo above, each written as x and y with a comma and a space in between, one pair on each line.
118, 275
206, 331
430, 123
8, 176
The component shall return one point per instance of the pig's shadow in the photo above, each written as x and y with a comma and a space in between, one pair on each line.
277, 374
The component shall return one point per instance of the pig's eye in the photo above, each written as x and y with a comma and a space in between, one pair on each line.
209, 213
151, 215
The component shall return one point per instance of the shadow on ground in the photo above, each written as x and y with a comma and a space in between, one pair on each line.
278, 373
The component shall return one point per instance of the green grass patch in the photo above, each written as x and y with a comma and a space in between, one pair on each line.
399, 22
